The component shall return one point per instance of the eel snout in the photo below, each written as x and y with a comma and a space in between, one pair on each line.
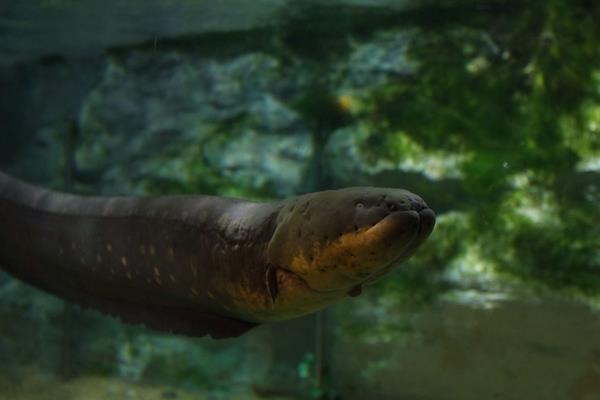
387, 243
406, 229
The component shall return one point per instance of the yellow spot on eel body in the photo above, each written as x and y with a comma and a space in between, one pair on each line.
108, 247
172, 278
212, 296
171, 253
152, 250
124, 261
129, 275
142, 249
156, 272
158, 280
194, 292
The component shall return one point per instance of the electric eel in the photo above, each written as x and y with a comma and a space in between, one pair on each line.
207, 265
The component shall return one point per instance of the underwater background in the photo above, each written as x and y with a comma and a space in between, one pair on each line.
488, 110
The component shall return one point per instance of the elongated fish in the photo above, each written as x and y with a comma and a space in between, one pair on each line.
199, 265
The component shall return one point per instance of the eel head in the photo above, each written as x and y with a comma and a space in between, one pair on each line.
336, 241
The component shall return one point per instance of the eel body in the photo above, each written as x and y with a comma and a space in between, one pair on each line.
199, 265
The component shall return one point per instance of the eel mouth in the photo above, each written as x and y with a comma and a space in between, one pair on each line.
411, 227
419, 224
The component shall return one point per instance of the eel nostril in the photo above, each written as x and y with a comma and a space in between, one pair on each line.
417, 206
360, 205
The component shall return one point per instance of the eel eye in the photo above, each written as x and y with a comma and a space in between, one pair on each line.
360, 205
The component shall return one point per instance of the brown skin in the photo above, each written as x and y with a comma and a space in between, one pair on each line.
201, 265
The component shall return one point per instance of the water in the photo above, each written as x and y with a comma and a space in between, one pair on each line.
489, 112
